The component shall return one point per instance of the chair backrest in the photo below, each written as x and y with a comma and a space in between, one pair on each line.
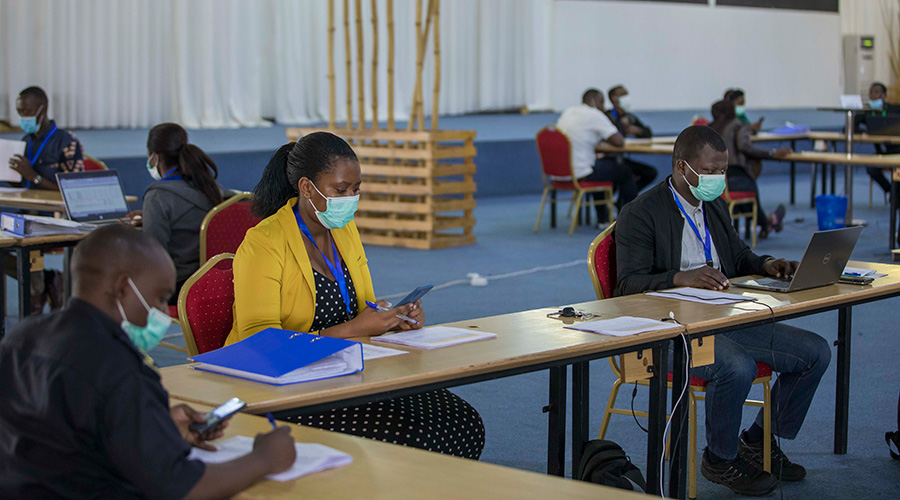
602, 263
92, 164
205, 305
555, 151
224, 227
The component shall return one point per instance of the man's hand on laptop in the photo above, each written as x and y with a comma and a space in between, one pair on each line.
781, 268
702, 277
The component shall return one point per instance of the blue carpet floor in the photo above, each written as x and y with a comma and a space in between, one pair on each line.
511, 407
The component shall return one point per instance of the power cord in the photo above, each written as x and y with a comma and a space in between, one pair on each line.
687, 381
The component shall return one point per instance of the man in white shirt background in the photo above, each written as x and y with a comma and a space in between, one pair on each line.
587, 126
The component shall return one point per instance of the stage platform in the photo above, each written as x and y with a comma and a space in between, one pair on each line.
507, 159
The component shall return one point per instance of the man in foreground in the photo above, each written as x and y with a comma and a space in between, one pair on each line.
84, 414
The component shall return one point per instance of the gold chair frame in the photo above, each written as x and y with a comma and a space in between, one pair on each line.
734, 202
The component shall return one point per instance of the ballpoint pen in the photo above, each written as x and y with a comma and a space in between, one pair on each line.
272, 421
384, 309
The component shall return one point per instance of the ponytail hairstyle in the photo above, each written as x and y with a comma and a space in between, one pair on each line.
170, 141
309, 157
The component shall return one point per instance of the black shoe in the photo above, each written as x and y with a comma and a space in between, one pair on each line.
782, 467
739, 475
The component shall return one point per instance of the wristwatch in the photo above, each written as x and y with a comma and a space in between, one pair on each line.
37, 180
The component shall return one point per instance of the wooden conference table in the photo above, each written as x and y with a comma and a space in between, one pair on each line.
387, 471
526, 341
40, 200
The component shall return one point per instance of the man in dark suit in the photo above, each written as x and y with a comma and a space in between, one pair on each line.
679, 234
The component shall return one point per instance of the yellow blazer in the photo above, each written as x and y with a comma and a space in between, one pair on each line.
273, 278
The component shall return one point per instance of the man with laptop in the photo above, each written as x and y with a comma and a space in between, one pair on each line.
678, 234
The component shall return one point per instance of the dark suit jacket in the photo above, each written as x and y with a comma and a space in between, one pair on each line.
648, 242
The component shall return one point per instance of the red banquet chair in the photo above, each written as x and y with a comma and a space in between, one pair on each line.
205, 305
555, 151
224, 227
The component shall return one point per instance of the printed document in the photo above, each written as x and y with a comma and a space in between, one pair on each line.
8, 149
622, 326
434, 337
701, 295
311, 457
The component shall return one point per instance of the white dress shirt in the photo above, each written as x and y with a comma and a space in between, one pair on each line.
692, 254
586, 126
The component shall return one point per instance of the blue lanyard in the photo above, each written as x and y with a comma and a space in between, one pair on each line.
43, 143
707, 246
335, 268
173, 175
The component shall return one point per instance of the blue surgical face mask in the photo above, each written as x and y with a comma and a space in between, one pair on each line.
338, 212
150, 335
29, 124
710, 187
876, 104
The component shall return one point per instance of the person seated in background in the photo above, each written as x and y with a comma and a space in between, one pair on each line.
303, 268
630, 125
660, 244
587, 126
84, 414
739, 99
741, 150
878, 107
175, 205
49, 150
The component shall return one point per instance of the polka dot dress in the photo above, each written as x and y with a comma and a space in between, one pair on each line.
435, 421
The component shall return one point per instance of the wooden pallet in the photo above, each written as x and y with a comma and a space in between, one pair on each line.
418, 187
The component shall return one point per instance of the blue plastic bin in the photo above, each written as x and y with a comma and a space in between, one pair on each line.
832, 211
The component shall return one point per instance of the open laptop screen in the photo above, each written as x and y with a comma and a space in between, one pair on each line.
93, 196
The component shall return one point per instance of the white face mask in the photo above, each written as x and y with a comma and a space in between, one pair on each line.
154, 172
625, 102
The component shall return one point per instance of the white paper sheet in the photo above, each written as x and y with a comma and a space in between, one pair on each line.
700, 295
858, 271
851, 101
434, 337
8, 149
375, 351
311, 457
622, 326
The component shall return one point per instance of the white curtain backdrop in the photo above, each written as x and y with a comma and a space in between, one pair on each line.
229, 63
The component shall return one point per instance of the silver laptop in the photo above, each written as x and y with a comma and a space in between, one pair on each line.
823, 262
94, 197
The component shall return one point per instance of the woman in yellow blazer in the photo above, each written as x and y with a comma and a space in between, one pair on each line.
303, 268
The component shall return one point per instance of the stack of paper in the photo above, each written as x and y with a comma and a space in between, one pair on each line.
434, 337
375, 351
622, 326
311, 457
700, 295
863, 273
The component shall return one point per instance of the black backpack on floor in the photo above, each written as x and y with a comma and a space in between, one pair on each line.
894, 437
605, 462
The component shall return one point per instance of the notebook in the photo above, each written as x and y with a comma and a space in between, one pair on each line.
281, 357
434, 337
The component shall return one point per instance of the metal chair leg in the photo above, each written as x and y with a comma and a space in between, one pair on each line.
610, 404
692, 445
577, 209
537, 225
767, 427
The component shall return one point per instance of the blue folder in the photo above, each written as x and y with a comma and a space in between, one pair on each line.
280, 357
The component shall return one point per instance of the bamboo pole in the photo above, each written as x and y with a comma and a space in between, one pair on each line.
360, 70
375, 64
417, 109
435, 97
421, 96
348, 64
331, 84
390, 65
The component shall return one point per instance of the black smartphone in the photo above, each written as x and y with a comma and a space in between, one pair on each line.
414, 295
856, 280
218, 415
